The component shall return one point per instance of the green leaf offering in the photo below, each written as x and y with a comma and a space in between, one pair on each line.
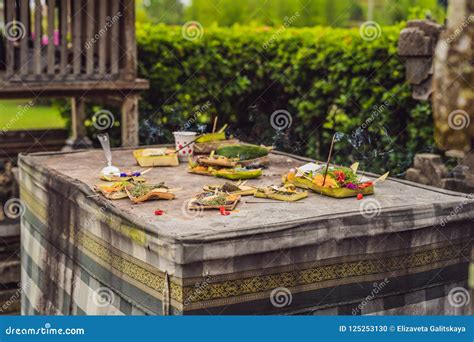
243, 152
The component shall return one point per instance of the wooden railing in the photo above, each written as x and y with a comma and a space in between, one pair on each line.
69, 40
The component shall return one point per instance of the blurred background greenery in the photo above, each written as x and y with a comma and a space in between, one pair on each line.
253, 57
338, 13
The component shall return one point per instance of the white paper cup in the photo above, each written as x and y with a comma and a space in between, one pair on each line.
182, 139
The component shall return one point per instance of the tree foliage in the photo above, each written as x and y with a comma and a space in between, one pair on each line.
328, 80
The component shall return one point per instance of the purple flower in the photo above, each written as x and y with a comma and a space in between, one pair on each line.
351, 186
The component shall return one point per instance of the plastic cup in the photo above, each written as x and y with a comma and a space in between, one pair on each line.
182, 139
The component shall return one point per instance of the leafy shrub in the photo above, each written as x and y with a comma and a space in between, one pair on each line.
329, 80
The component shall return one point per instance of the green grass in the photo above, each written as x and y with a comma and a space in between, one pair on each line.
24, 115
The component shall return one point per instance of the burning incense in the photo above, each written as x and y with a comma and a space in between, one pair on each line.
329, 158
215, 124
191, 142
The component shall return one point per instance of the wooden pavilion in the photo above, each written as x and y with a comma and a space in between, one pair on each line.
80, 49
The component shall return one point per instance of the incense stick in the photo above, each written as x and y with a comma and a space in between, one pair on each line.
192, 142
329, 158
215, 124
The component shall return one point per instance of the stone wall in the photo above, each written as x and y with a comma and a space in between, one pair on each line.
440, 66
10, 209
453, 101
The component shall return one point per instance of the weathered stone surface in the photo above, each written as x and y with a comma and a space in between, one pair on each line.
418, 70
423, 91
414, 175
454, 79
455, 154
417, 45
413, 42
456, 184
9, 272
423, 158
429, 27
232, 250
428, 169
468, 162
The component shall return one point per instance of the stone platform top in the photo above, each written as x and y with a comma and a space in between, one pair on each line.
328, 253
396, 205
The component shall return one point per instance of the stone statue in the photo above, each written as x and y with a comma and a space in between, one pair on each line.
440, 66
453, 101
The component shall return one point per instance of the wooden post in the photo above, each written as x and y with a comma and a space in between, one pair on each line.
130, 121
38, 34
77, 36
51, 21
90, 26
78, 116
64, 28
10, 52
103, 39
130, 58
115, 40
25, 20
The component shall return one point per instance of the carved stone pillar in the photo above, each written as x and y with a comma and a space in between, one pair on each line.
417, 45
453, 103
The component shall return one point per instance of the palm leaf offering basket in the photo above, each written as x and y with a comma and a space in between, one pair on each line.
336, 182
304, 183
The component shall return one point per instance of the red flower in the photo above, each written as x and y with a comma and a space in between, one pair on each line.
340, 176
223, 211
365, 185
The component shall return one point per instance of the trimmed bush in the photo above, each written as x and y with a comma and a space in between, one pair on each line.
315, 82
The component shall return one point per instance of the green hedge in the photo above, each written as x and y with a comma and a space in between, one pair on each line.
329, 80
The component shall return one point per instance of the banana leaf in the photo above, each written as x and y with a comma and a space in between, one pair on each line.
211, 137
243, 152
282, 197
238, 174
304, 183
